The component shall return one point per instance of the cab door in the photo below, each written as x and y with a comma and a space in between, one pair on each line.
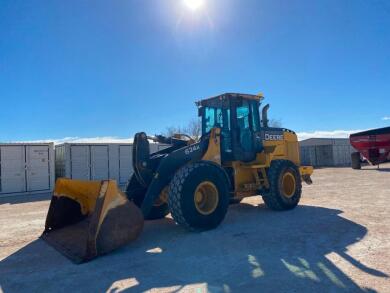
219, 117
246, 125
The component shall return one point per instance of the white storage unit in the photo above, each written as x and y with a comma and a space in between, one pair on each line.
125, 162
96, 161
326, 152
26, 168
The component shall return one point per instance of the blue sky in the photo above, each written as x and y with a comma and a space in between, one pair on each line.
111, 68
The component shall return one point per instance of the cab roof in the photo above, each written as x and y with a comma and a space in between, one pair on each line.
226, 96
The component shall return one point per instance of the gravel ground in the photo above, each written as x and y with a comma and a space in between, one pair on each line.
337, 239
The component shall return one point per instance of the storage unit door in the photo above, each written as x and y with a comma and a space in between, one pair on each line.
13, 173
324, 154
312, 155
38, 168
341, 155
60, 161
113, 159
308, 155
305, 156
99, 162
125, 163
80, 162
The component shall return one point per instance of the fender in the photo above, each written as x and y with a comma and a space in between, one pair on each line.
219, 167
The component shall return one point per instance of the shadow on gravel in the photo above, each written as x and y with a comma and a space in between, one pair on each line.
254, 250
383, 169
377, 169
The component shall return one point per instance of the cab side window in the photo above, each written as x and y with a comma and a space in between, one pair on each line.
245, 134
243, 116
255, 116
215, 117
209, 120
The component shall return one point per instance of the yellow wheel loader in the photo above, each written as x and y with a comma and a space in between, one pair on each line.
238, 155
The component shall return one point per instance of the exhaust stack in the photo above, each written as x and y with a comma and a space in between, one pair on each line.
264, 115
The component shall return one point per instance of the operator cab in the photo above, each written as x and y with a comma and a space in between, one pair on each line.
238, 117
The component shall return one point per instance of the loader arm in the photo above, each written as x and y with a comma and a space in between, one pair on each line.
155, 171
145, 164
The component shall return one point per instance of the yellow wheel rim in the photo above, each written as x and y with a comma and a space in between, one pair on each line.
288, 184
162, 199
206, 198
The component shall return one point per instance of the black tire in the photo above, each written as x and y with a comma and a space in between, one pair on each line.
136, 192
181, 199
275, 197
355, 161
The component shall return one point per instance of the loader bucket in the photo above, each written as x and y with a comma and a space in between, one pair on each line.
90, 218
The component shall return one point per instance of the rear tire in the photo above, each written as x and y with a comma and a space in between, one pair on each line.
136, 192
355, 161
199, 196
285, 186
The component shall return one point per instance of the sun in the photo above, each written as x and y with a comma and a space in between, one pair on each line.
194, 4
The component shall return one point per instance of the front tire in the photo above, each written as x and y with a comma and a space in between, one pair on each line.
285, 186
199, 196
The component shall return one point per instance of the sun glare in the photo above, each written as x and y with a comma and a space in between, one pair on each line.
194, 4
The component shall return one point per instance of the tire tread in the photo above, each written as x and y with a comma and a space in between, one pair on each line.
175, 193
272, 198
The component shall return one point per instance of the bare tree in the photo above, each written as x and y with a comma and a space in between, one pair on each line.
171, 130
193, 129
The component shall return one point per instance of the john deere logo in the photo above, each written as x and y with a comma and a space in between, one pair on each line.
269, 136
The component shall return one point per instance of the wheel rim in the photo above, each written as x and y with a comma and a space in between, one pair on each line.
288, 184
206, 197
162, 199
